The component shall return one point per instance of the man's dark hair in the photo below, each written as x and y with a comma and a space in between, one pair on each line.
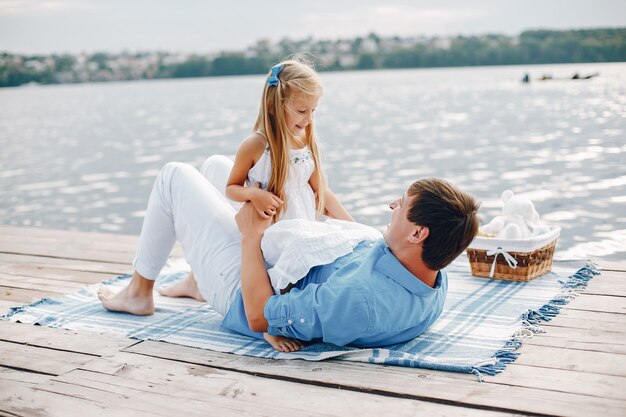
451, 216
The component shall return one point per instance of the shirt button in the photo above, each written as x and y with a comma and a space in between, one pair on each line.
289, 321
301, 320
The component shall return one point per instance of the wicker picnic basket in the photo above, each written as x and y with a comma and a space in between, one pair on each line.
512, 260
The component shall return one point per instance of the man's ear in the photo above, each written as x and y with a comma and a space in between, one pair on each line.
419, 235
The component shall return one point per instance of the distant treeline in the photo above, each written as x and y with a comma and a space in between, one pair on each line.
370, 52
531, 47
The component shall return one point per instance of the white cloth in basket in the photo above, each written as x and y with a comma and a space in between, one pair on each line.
516, 245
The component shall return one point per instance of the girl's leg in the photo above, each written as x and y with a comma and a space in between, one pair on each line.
184, 206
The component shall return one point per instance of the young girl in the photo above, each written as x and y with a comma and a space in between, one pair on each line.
277, 168
282, 155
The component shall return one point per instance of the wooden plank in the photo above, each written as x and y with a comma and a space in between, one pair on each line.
110, 244
409, 383
603, 386
71, 264
601, 303
56, 274
613, 324
64, 339
17, 232
26, 378
609, 283
74, 400
29, 283
608, 265
19, 399
565, 343
157, 404
583, 383
582, 339
106, 242
85, 342
61, 251
22, 296
572, 359
68, 235
197, 382
40, 360
580, 319
6, 305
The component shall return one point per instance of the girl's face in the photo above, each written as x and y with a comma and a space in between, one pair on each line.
299, 111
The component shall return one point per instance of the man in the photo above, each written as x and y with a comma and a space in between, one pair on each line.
382, 293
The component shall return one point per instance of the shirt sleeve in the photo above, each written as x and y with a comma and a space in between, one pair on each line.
335, 311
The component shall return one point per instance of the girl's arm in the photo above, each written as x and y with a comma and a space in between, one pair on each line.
246, 157
248, 153
333, 206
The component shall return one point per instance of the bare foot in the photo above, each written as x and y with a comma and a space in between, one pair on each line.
135, 299
186, 287
283, 344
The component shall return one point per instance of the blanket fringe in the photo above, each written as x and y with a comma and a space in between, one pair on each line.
531, 320
20, 309
15, 310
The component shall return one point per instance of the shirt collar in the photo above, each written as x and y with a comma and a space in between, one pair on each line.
391, 267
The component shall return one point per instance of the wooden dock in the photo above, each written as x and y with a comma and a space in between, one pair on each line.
577, 369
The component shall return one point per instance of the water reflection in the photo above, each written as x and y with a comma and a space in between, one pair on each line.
85, 156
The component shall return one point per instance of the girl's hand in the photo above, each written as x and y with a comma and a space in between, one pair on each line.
265, 202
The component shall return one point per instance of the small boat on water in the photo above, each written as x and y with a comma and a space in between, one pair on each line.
549, 77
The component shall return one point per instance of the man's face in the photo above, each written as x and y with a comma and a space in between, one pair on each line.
400, 228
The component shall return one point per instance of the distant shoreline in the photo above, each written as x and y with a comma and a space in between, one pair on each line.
369, 53
556, 64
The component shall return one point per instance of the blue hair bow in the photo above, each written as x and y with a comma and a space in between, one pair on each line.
273, 78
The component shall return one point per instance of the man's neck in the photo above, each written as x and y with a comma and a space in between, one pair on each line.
424, 274
412, 261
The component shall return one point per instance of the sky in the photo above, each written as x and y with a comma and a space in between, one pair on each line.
72, 26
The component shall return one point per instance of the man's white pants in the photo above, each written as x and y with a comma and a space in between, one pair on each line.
190, 207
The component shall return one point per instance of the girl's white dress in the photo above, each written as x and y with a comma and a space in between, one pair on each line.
297, 243
300, 199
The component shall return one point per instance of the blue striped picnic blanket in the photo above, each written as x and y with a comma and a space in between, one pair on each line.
484, 321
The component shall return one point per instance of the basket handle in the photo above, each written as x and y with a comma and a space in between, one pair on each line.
507, 257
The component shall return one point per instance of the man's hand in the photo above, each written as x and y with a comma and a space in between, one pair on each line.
250, 222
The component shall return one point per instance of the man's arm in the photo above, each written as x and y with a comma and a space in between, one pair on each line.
255, 283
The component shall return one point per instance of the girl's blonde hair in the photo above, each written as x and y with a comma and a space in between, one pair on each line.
296, 76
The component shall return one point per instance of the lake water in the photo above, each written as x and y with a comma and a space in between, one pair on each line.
84, 156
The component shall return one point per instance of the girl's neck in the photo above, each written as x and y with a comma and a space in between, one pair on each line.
296, 143
292, 141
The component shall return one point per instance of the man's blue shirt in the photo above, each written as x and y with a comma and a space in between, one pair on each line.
364, 299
